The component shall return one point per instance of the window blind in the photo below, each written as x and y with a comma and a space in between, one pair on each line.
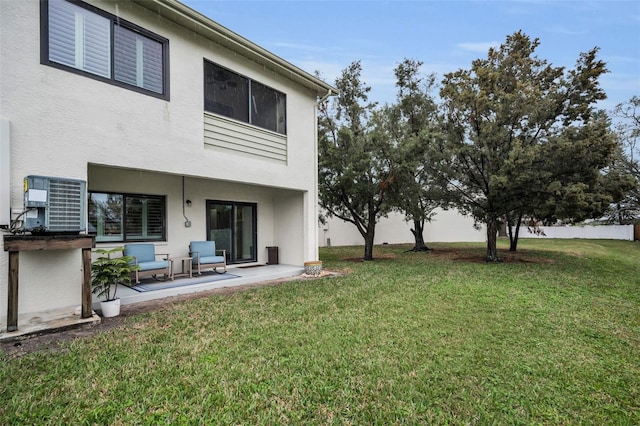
137, 59
79, 38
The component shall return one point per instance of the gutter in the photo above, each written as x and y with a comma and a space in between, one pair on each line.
325, 97
186, 17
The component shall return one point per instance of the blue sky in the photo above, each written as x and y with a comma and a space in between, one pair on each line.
446, 35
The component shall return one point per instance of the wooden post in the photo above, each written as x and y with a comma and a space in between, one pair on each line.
12, 299
86, 283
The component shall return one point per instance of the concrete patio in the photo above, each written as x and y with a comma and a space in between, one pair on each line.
52, 321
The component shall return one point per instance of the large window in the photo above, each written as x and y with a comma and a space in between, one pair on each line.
80, 38
126, 217
232, 95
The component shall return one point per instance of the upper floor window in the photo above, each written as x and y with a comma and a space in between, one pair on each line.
232, 95
80, 38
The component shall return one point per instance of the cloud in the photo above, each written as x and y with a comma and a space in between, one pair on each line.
479, 47
329, 71
297, 46
558, 29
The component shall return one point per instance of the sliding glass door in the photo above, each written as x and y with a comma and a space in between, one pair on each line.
233, 227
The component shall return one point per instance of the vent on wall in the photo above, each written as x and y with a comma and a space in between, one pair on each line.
54, 205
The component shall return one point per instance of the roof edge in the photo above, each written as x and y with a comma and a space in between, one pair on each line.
187, 17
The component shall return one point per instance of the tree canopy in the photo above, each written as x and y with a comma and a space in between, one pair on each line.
512, 140
524, 138
354, 168
627, 210
412, 125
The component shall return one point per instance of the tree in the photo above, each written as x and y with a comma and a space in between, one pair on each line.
627, 210
354, 168
411, 124
524, 138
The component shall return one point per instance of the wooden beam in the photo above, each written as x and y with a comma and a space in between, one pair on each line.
55, 242
86, 283
12, 299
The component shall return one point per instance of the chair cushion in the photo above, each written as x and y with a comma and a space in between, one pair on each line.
149, 266
204, 248
142, 252
210, 259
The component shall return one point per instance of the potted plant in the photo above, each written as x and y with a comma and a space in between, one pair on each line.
106, 273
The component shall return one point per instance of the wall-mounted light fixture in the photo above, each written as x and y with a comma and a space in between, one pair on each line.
188, 203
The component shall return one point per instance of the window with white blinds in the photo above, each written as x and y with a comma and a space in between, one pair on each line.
82, 38
79, 38
137, 59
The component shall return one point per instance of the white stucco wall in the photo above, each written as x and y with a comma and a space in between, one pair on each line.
68, 125
60, 112
446, 226
600, 232
280, 215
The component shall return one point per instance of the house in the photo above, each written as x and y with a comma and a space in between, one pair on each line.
446, 226
182, 130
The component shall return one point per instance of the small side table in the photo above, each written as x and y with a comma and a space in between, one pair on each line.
184, 271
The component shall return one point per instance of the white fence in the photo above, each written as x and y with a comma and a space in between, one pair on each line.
599, 232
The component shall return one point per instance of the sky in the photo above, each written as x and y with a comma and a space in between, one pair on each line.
327, 36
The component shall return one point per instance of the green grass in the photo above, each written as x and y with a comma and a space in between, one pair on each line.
551, 336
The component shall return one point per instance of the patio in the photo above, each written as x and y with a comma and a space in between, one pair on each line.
59, 320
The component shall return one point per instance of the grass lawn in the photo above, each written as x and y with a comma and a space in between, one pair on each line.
550, 336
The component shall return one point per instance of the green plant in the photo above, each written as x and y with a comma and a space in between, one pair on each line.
107, 272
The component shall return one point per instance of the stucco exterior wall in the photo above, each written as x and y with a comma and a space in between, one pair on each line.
279, 212
601, 232
60, 112
446, 226
67, 125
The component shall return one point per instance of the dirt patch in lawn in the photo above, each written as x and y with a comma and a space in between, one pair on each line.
461, 255
478, 256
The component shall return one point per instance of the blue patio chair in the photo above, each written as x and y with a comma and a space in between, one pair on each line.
146, 258
205, 256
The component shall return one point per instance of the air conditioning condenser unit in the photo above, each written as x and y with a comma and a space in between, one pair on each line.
55, 205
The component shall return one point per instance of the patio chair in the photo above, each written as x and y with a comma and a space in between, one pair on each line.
206, 256
146, 258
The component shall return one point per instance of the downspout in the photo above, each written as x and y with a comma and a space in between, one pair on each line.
325, 97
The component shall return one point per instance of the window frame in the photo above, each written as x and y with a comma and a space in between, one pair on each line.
114, 21
250, 82
231, 255
123, 217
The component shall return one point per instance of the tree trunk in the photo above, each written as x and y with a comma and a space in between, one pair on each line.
492, 240
513, 236
418, 229
509, 231
368, 239
368, 247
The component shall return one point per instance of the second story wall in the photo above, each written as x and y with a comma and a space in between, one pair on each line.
63, 121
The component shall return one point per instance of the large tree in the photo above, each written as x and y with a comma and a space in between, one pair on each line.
524, 138
627, 210
354, 167
411, 123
